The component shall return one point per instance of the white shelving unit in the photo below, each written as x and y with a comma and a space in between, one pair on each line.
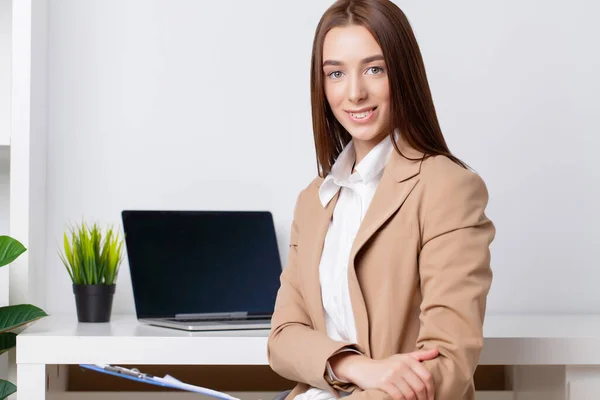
5, 71
28, 148
5, 121
23, 116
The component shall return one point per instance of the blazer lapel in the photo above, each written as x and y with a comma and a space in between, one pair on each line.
398, 180
321, 217
394, 187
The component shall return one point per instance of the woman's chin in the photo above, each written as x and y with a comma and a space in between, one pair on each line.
366, 135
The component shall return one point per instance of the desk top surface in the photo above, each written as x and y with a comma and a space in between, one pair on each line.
509, 340
495, 327
66, 325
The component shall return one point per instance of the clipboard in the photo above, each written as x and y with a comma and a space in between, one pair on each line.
166, 381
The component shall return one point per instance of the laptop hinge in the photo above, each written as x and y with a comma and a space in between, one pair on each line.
230, 315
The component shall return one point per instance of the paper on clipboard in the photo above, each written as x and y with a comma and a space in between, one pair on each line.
166, 381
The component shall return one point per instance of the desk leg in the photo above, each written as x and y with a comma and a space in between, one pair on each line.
583, 382
538, 382
31, 381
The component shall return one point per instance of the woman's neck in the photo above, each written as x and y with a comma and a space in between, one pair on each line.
363, 147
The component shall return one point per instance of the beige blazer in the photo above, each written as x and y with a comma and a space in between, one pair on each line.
419, 276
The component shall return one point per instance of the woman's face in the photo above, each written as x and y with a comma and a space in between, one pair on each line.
356, 82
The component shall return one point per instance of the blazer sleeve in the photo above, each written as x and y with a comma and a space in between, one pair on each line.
454, 263
297, 351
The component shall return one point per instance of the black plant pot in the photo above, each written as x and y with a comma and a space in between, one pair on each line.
93, 302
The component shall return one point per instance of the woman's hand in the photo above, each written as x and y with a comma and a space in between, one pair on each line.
402, 376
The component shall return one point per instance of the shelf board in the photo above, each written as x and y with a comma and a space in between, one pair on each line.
4, 157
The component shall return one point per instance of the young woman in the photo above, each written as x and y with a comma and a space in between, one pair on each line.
384, 292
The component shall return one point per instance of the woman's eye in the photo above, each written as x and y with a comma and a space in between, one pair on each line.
335, 74
376, 70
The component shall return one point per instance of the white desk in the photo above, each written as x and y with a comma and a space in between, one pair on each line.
570, 343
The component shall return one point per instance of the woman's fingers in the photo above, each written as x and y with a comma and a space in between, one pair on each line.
424, 375
416, 385
393, 391
422, 355
405, 389
411, 378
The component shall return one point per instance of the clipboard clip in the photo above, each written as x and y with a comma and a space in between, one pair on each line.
125, 371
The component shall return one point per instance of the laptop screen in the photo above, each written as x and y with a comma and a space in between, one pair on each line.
196, 262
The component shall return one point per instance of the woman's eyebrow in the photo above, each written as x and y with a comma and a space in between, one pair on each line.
364, 61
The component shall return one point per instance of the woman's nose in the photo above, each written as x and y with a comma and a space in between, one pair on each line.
356, 90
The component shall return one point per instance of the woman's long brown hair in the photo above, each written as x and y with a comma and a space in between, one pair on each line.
412, 110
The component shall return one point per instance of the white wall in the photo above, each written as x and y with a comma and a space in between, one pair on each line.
205, 105
516, 86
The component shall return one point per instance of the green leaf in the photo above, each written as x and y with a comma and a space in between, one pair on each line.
6, 389
8, 340
79, 276
66, 264
12, 317
92, 255
67, 259
10, 249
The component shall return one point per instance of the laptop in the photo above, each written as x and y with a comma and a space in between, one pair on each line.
203, 270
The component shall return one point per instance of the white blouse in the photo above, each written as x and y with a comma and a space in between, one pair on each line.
356, 192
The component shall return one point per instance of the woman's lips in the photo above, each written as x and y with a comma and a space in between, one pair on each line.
362, 117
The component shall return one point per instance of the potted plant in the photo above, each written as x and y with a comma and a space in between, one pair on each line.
92, 258
15, 316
